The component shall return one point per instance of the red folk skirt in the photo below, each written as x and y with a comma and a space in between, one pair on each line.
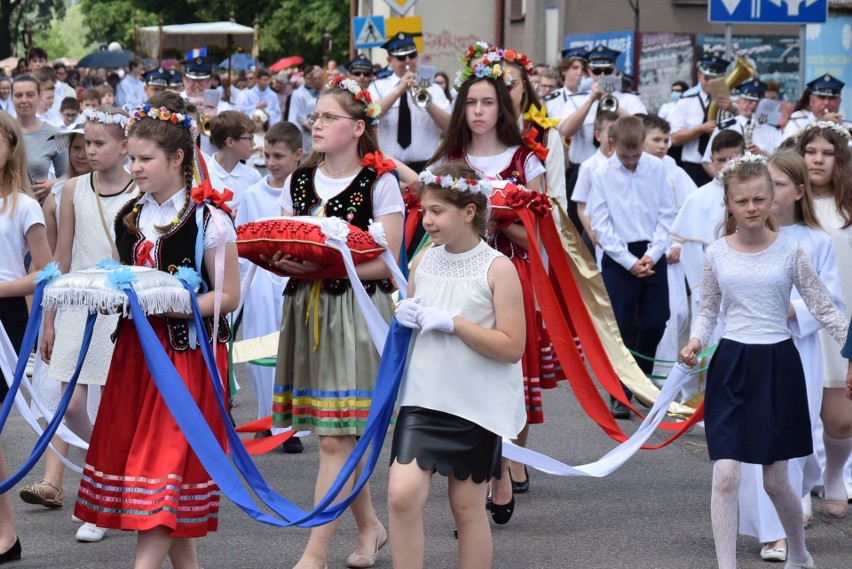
140, 471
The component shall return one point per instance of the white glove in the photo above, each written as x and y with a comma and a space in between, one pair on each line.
408, 312
432, 318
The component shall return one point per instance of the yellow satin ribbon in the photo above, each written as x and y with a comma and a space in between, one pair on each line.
539, 117
313, 307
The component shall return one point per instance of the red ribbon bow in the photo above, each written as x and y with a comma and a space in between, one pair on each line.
204, 193
530, 140
411, 200
143, 254
377, 161
518, 198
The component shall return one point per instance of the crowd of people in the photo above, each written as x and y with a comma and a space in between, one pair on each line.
708, 227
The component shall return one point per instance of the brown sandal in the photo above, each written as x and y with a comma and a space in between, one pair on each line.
40, 494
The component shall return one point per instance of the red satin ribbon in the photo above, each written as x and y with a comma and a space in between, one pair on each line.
204, 193
377, 161
538, 149
143, 254
562, 335
266, 444
413, 215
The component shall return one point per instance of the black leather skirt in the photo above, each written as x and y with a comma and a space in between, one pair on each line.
446, 444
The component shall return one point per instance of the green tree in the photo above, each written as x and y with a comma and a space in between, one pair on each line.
115, 20
14, 14
297, 26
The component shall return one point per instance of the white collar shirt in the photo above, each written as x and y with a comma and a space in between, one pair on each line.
583, 142
689, 113
237, 180
247, 103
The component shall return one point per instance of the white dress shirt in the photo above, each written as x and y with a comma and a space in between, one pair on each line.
130, 91
8, 106
583, 187
583, 142
237, 180
302, 103
689, 113
425, 134
248, 99
153, 215
630, 206
765, 136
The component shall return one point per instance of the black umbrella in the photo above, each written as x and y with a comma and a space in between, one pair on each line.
105, 59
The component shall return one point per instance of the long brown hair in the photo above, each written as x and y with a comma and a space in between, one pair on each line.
841, 178
169, 138
530, 96
458, 135
794, 167
744, 172
15, 175
369, 141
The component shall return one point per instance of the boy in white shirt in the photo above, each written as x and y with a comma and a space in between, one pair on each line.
583, 187
632, 209
282, 149
232, 133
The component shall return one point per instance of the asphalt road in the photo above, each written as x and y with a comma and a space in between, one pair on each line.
653, 513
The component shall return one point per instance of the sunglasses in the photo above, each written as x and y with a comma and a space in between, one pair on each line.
407, 56
602, 71
362, 73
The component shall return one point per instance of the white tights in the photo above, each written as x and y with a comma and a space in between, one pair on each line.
723, 510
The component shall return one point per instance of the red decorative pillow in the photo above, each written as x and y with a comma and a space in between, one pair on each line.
506, 200
305, 238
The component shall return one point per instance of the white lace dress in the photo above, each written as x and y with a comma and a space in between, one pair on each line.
756, 405
90, 247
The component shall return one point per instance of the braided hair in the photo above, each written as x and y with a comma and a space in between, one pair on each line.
169, 138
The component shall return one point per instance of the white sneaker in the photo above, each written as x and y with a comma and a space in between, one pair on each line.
90, 532
849, 491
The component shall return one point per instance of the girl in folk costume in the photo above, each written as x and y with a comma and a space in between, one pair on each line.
136, 444
756, 408
327, 366
483, 133
462, 389
793, 209
88, 205
825, 148
21, 230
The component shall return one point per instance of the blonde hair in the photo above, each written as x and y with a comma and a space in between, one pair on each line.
15, 175
743, 172
794, 167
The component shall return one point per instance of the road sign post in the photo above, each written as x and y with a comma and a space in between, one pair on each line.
368, 31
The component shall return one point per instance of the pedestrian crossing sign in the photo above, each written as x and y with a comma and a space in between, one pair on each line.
369, 31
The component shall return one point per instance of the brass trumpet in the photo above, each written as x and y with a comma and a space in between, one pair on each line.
420, 95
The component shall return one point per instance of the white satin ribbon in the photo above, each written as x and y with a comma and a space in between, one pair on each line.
8, 359
615, 458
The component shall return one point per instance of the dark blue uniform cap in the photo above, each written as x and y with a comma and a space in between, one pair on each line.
579, 53
158, 78
198, 68
360, 62
400, 44
826, 86
602, 56
713, 65
753, 89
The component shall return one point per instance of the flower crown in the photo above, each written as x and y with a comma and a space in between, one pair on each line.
494, 54
735, 163
363, 95
827, 125
475, 51
467, 185
93, 115
489, 70
163, 114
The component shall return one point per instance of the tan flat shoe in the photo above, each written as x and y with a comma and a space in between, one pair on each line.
44, 493
361, 560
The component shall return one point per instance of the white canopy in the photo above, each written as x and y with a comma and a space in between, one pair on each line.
184, 37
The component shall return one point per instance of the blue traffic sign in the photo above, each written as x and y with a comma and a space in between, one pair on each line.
767, 11
369, 31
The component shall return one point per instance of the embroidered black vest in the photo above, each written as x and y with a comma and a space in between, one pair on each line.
176, 248
353, 205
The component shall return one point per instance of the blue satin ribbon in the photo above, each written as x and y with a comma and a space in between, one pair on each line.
30, 337
210, 453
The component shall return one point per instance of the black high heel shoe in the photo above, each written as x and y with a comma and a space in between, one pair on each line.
13, 553
502, 513
520, 487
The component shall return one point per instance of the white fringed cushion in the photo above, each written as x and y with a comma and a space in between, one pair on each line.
158, 292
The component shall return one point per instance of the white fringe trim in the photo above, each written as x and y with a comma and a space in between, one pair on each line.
152, 301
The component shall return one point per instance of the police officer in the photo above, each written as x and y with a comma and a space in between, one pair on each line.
401, 117
691, 127
361, 70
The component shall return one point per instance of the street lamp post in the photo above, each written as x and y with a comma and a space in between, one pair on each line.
28, 38
326, 47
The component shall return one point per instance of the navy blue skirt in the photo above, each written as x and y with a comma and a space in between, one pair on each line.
756, 403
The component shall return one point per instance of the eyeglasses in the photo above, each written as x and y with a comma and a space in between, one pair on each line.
602, 71
326, 119
407, 56
362, 73
247, 137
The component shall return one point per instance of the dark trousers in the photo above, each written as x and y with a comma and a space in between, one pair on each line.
641, 305
13, 315
571, 173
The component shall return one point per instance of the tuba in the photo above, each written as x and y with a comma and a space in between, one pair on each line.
741, 72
